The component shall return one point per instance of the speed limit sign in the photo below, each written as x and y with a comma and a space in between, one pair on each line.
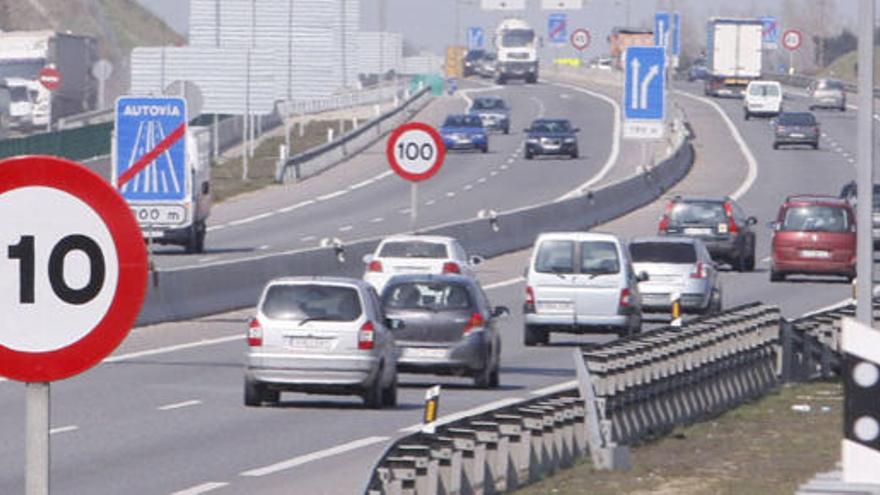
580, 39
415, 151
792, 39
73, 269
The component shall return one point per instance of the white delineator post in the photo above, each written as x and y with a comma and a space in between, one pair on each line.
861, 427
432, 405
676, 309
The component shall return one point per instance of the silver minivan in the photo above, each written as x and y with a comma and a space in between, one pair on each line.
579, 282
320, 335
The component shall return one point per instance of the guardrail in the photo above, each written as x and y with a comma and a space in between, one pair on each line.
802, 81
322, 157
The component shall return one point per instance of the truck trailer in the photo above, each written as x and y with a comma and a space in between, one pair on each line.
735, 58
517, 49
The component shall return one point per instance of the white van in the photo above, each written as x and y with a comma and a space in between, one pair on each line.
579, 282
762, 98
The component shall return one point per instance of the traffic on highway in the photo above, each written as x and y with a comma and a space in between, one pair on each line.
294, 274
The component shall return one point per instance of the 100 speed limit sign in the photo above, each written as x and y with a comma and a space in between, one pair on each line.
72, 269
415, 151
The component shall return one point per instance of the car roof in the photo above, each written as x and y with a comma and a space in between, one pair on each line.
320, 280
578, 236
666, 239
488, 98
815, 199
432, 277
700, 199
441, 239
786, 114
537, 121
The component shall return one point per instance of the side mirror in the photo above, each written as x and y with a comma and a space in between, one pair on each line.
751, 221
395, 324
499, 311
476, 260
368, 258
643, 277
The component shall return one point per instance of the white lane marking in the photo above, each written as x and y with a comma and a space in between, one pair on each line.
462, 414
504, 283
332, 195
552, 389
468, 187
203, 488
360, 184
430, 202
464, 93
301, 204
263, 247
450, 194
493, 173
173, 348
481, 180
314, 456
404, 211
752, 174
541, 108
206, 259
377, 220
254, 218
503, 167
179, 405
308, 238
851, 160
511, 160
615, 143
63, 429
345, 228
214, 228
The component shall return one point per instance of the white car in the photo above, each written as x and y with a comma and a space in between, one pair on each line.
408, 254
762, 98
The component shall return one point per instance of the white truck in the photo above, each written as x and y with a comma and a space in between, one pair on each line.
517, 51
735, 57
24, 53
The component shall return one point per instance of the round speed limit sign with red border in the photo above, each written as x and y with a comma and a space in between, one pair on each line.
792, 39
415, 151
73, 269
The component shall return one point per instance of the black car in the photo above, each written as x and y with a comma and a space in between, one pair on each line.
721, 223
471, 60
698, 72
449, 326
493, 112
551, 137
850, 193
795, 128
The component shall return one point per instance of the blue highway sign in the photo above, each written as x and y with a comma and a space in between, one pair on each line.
557, 28
770, 32
150, 159
676, 34
662, 28
475, 38
644, 87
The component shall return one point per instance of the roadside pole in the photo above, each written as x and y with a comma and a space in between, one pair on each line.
414, 206
37, 438
865, 151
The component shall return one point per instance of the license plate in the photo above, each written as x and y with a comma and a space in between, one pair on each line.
425, 352
797, 135
815, 253
309, 343
555, 306
697, 231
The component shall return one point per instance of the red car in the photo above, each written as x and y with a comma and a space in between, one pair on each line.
814, 235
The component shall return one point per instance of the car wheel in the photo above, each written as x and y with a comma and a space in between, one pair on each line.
485, 149
373, 394
575, 155
815, 146
534, 336
741, 263
507, 130
775, 146
253, 393
776, 276
389, 394
843, 107
747, 115
483, 378
715, 303
812, 107
495, 377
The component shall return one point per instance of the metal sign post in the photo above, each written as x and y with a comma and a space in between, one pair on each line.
865, 153
37, 438
415, 151
414, 206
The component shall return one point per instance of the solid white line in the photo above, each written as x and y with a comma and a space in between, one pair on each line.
63, 429
752, 174
504, 283
332, 195
214, 228
203, 488
288, 209
314, 456
360, 184
263, 247
463, 414
465, 92
179, 405
251, 219
173, 348
615, 143
345, 228
377, 220
481, 180
207, 259
468, 187
552, 389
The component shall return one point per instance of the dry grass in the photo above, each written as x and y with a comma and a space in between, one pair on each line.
760, 448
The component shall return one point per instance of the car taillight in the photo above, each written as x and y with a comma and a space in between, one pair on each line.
731, 224
530, 296
699, 271
664, 220
476, 321
367, 336
625, 299
450, 267
255, 333
374, 266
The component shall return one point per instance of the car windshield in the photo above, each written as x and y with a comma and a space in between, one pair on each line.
312, 302
797, 118
827, 84
428, 296
18, 93
599, 258
764, 90
555, 257
413, 249
663, 252
816, 218
517, 38
701, 213
463, 121
488, 104
551, 126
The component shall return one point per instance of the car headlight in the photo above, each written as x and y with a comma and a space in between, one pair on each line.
532, 140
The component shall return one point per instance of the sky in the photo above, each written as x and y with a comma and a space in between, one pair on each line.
430, 24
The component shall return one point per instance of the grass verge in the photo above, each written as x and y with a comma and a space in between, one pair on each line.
760, 448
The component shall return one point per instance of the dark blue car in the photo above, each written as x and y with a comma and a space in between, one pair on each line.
464, 132
551, 137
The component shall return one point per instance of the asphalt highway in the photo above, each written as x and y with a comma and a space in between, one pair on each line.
165, 415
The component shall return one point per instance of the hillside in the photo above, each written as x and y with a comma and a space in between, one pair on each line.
118, 25
844, 68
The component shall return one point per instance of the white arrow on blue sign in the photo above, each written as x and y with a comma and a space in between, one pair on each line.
644, 91
150, 159
475, 38
662, 28
557, 28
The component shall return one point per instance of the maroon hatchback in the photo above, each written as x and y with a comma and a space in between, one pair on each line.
814, 235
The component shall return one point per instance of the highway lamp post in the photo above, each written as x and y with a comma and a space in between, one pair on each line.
865, 174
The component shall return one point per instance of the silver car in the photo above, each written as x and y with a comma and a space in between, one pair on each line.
676, 265
320, 335
578, 282
827, 93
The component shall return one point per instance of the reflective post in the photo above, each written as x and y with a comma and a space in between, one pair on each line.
414, 206
37, 438
865, 151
